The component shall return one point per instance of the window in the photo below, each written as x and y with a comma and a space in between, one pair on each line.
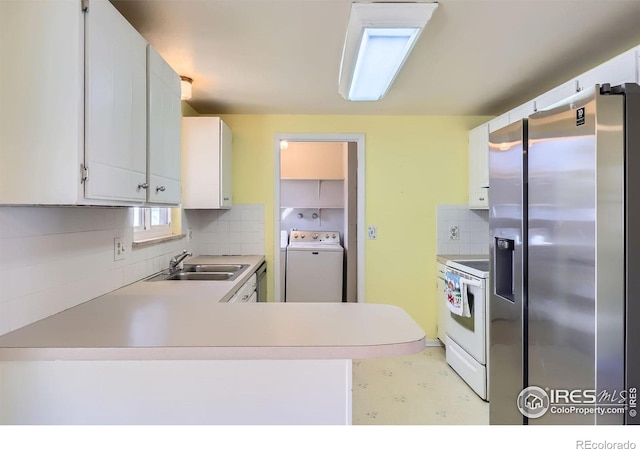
151, 222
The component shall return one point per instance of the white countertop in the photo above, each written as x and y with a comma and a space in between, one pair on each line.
184, 320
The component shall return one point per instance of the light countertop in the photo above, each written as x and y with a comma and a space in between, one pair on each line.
173, 320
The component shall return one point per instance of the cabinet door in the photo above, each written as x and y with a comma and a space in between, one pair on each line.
115, 106
563, 91
522, 111
619, 70
499, 122
245, 292
41, 97
479, 167
442, 307
226, 142
206, 163
164, 114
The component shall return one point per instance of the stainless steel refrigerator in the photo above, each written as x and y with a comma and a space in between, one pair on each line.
565, 261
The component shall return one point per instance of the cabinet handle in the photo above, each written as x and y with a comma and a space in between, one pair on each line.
481, 199
226, 198
160, 189
143, 185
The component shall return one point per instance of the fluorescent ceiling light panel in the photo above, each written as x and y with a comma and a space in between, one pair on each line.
379, 39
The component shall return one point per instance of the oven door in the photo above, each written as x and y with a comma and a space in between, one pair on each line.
470, 333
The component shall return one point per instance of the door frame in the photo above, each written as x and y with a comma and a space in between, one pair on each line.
358, 139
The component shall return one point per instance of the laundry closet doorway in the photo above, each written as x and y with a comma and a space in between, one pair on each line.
319, 186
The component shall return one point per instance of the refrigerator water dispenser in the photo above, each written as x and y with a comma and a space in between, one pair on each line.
504, 269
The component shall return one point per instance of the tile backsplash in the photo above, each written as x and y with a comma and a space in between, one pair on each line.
238, 231
472, 230
54, 258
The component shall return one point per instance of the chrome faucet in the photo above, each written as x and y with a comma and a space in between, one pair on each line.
175, 260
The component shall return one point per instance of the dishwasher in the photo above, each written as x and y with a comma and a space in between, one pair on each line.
261, 285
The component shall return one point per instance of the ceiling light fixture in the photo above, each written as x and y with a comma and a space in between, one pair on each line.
185, 88
379, 38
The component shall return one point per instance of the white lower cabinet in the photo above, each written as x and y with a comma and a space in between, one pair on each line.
248, 292
442, 308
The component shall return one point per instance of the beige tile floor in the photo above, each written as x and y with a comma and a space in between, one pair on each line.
417, 389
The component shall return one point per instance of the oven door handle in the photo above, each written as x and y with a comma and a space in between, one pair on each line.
470, 282
466, 301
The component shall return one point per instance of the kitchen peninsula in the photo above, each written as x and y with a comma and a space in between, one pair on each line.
147, 355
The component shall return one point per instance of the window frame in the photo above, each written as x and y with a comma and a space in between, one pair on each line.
148, 231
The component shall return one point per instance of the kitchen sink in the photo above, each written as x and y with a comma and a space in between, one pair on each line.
213, 268
202, 272
199, 276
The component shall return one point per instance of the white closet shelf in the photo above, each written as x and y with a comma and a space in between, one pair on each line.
311, 179
311, 207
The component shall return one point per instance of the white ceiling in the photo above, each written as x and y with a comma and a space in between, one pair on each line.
476, 57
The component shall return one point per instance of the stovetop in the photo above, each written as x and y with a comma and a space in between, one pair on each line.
478, 267
481, 265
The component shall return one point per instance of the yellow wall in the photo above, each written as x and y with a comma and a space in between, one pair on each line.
412, 163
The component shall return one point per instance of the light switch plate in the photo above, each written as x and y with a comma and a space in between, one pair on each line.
118, 249
372, 232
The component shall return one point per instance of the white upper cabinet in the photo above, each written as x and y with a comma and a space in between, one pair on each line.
41, 101
619, 70
499, 122
557, 94
624, 68
522, 111
73, 107
164, 114
206, 163
115, 106
479, 167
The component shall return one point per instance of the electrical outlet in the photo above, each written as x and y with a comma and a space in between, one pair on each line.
189, 235
373, 232
454, 234
118, 249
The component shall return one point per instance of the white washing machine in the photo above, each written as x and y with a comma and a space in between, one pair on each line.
314, 267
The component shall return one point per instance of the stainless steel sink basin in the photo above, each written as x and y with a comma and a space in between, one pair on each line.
213, 268
202, 272
195, 276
